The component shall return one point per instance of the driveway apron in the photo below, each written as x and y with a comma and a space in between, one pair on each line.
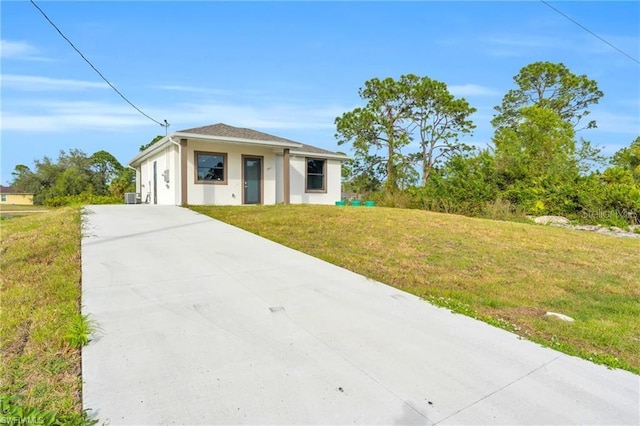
200, 322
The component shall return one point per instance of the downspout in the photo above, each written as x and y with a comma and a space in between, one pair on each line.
138, 183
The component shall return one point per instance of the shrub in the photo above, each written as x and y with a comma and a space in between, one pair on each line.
400, 199
82, 199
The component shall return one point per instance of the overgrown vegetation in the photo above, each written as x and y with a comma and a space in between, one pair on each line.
75, 178
508, 274
82, 200
41, 327
538, 163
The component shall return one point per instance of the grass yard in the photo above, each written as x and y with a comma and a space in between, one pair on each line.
41, 327
12, 210
508, 274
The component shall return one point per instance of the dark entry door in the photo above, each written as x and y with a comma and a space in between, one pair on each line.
252, 174
155, 182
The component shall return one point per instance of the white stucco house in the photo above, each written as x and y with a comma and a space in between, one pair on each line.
225, 165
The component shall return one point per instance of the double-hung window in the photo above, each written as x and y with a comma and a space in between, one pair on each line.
316, 177
211, 167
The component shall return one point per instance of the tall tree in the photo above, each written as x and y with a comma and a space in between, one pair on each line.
398, 112
106, 167
73, 173
439, 118
536, 159
465, 183
46, 171
124, 181
541, 144
549, 85
362, 174
381, 125
74, 176
147, 145
24, 180
629, 159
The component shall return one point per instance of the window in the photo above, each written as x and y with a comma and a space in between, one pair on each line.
211, 167
316, 176
3, 198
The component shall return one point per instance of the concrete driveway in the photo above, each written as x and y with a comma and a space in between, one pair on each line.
203, 323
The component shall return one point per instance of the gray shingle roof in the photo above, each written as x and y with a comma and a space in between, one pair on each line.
314, 150
225, 130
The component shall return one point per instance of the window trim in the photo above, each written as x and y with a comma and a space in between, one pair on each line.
306, 176
224, 171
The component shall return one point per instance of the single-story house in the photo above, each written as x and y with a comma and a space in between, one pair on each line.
8, 195
225, 165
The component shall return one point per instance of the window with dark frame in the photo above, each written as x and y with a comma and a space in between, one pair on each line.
316, 175
211, 167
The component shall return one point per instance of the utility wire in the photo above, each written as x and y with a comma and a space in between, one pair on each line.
165, 124
590, 32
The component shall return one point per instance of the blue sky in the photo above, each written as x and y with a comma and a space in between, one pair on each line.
286, 68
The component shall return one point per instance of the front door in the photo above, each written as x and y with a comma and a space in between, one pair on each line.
252, 176
155, 182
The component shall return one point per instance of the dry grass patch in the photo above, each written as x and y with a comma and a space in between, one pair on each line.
508, 274
40, 318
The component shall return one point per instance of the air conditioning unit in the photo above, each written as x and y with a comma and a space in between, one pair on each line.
130, 198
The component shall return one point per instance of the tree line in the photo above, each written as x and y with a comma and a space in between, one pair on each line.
75, 177
407, 150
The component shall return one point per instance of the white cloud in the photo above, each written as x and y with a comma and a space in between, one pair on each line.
472, 90
615, 122
49, 116
518, 45
32, 83
62, 122
505, 45
236, 95
19, 50
575, 42
274, 116
193, 89
53, 116
513, 40
13, 49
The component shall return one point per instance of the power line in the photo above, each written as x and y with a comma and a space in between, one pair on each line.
590, 32
165, 124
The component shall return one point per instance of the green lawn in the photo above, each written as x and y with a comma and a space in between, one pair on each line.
14, 210
508, 274
41, 327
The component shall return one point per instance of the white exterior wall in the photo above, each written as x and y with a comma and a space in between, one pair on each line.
139, 180
167, 192
231, 192
298, 182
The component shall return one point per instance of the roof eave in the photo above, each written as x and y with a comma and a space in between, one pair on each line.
331, 156
156, 146
137, 160
228, 139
